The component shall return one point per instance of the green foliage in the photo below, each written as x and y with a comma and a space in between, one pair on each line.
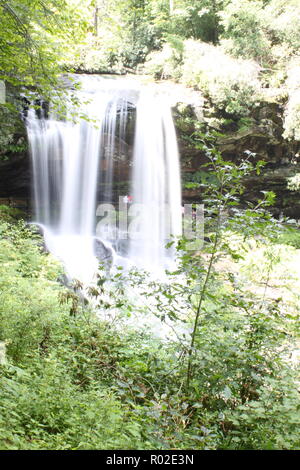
290, 236
75, 380
271, 421
49, 36
232, 85
198, 179
55, 385
91, 56
229, 49
165, 63
33, 36
244, 24
70, 380
44, 409
294, 182
12, 133
199, 19
10, 214
292, 111
28, 307
264, 31
234, 371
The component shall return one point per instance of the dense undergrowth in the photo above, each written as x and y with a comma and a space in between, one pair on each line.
71, 379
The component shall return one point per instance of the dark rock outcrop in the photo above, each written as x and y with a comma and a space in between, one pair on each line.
262, 135
15, 176
103, 253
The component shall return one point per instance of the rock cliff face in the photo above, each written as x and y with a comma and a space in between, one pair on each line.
14, 162
260, 133
15, 176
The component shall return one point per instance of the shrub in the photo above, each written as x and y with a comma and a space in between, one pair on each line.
244, 30
232, 85
265, 32
165, 63
292, 112
43, 409
271, 422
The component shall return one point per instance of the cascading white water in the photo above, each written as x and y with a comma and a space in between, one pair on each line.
73, 169
155, 180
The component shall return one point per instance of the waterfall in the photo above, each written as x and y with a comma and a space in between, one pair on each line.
155, 180
76, 164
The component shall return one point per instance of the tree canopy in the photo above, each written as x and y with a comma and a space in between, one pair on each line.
34, 37
39, 38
